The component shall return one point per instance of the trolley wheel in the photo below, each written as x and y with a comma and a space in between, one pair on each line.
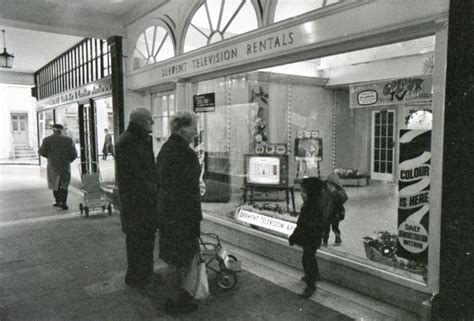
109, 209
81, 208
231, 257
226, 279
86, 211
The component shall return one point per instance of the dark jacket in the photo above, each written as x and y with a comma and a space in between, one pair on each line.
136, 180
60, 152
314, 217
179, 200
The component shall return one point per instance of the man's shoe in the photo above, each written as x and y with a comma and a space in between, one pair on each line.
56, 204
308, 292
325, 244
64, 207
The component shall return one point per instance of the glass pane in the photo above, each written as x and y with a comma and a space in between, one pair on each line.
245, 21
194, 40
214, 7
289, 8
15, 125
201, 21
389, 167
22, 125
167, 50
383, 168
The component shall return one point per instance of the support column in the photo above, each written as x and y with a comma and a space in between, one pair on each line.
115, 44
456, 282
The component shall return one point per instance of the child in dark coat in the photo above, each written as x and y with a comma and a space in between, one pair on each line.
339, 197
309, 229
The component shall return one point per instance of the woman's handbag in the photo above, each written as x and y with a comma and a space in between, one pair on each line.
195, 281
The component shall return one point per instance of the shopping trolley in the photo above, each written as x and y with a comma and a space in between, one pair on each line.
94, 195
213, 254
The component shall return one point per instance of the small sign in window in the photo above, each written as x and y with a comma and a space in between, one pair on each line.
204, 102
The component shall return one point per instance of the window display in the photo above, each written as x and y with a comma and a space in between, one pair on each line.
268, 131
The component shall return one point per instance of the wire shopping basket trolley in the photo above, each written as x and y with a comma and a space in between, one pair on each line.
94, 195
217, 260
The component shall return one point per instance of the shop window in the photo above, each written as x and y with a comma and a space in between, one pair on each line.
216, 20
290, 8
153, 45
370, 134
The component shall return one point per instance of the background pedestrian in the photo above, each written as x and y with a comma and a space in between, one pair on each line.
60, 151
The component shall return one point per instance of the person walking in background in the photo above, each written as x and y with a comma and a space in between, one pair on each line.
179, 205
60, 152
313, 218
108, 145
135, 165
339, 196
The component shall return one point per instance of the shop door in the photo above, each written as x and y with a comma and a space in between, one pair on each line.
19, 129
383, 132
87, 137
163, 108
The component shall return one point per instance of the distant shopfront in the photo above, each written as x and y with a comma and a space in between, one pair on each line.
79, 96
276, 104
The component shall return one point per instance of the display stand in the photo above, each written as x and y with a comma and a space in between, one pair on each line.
289, 193
303, 170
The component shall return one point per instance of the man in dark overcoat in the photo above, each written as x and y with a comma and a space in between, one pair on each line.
135, 163
60, 151
179, 203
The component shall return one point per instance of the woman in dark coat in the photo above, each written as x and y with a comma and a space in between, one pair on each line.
308, 233
179, 202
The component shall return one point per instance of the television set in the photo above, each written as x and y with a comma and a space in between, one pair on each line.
309, 148
266, 170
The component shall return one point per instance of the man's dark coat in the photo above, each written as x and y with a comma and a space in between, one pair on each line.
60, 152
179, 201
136, 179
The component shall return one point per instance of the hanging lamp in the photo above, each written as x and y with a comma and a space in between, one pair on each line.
6, 59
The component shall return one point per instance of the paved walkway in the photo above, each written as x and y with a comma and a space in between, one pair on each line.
59, 265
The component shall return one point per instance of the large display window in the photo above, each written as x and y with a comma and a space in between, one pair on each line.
269, 128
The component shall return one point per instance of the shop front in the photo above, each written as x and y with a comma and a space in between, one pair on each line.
309, 97
75, 90
85, 113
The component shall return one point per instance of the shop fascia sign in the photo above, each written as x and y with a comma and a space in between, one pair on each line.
98, 88
253, 49
408, 90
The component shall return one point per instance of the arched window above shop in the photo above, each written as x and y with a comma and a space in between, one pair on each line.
290, 8
153, 45
216, 20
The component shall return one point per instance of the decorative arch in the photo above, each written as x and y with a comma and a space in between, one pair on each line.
155, 43
211, 21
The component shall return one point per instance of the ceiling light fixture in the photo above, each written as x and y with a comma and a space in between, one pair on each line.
6, 59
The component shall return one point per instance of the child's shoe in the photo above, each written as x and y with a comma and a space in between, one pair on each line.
308, 291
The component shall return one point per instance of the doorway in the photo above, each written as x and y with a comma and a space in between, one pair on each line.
19, 125
383, 145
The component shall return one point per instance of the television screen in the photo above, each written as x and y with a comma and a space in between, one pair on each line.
308, 148
264, 170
